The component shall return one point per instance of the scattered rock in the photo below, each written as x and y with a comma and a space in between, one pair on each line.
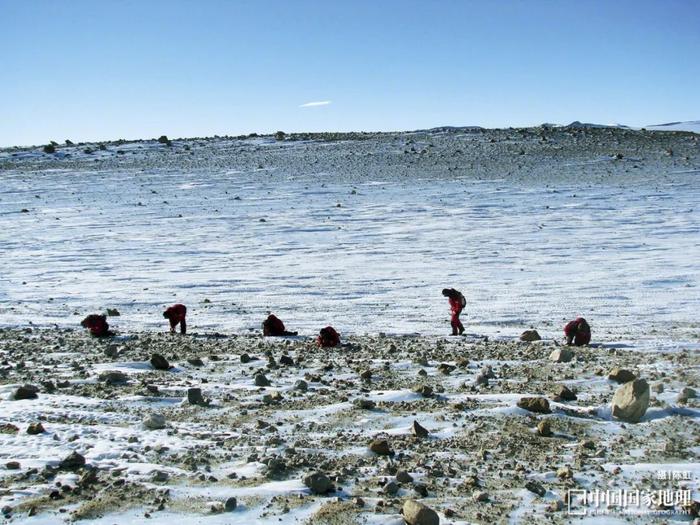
420, 431
245, 358
113, 312
301, 385
620, 375
73, 461
286, 360
26, 392
366, 375
424, 390
529, 336
35, 428
565, 473
12, 465
160, 476
564, 394
230, 504
381, 447
561, 355
536, 488
631, 401
544, 429
113, 377
154, 422
446, 368
686, 394
194, 397
403, 477
261, 380
481, 496
364, 404
195, 361
318, 482
415, 513
535, 404
159, 362
390, 488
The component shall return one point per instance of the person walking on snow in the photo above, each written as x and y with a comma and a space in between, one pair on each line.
457, 304
176, 315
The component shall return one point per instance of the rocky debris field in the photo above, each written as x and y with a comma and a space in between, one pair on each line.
245, 429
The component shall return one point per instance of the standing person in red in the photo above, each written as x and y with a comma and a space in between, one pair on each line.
176, 315
577, 332
457, 304
328, 337
97, 324
274, 327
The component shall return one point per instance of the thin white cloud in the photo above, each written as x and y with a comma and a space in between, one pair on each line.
316, 104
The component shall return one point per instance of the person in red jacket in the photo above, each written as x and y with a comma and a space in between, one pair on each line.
328, 337
274, 327
176, 315
97, 324
577, 332
457, 304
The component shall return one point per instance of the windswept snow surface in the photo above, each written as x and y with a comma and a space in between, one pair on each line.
367, 257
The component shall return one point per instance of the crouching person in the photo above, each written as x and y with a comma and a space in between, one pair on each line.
176, 315
328, 337
577, 332
274, 327
97, 325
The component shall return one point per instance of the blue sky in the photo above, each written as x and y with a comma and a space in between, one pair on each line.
137, 69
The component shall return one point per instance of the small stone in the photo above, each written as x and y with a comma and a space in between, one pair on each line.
631, 401
555, 506
366, 375
421, 489
544, 429
35, 428
113, 312
26, 392
415, 513
686, 394
390, 488
286, 360
481, 496
159, 362
565, 394
529, 336
403, 477
113, 377
565, 472
245, 358
536, 488
230, 504
364, 404
620, 375
261, 380
419, 431
381, 447
194, 396
154, 422
12, 465
534, 404
301, 385
195, 361
318, 482
160, 476
72, 462
445, 368
488, 372
481, 380
424, 390
561, 355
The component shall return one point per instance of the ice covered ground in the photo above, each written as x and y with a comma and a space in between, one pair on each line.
367, 255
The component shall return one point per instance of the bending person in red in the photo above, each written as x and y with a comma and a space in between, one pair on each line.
176, 315
577, 332
274, 327
97, 324
328, 337
457, 304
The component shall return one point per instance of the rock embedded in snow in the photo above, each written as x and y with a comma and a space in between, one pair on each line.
25, 392
13, 465
261, 380
318, 482
686, 394
564, 394
390, 488
620, 375
535, 404
364, 404
160, 476
424, 390
536, 488
159, 362
301, 385
403, 477
366, 375
420, 431
631, 401
286, 360
113, 377
544, 429
73, 461
154, 422
529, 336
245, 358
415, 513
230, 504
381, 447
561, 355
35, 428
481, 496
194, 396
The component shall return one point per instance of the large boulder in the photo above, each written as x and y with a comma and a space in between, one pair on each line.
631, 401
561, 355
415, 513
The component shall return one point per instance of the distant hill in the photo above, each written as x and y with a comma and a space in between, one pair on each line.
688, 125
